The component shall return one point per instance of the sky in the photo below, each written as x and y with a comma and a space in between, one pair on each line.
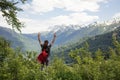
42, 15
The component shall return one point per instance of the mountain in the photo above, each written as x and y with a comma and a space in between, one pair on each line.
71, 34
19, 40
103, 42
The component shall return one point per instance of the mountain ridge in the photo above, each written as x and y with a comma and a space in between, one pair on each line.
65, 34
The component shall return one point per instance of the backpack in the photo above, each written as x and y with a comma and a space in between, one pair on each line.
42, 57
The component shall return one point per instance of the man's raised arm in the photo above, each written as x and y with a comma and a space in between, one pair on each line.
39, 39
53, 39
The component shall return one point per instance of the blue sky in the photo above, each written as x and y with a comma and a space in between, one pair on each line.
41, 15
108, 10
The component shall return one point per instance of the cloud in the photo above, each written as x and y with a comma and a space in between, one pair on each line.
33, 26
3, 21
116, 15
42, 6
78, 16
74, 18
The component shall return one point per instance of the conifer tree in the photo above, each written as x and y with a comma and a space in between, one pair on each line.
9, 11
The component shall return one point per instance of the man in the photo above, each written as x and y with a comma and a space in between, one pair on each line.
45, 48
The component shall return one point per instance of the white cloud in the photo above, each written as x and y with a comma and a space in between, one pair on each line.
41, 6
33, 26
3, 21
116, 15
74, 18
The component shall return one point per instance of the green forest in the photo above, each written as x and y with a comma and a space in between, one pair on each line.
85, 65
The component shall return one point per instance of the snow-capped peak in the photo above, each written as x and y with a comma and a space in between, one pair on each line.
64, 28
107, 22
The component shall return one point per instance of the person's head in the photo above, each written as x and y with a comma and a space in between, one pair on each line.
46, 43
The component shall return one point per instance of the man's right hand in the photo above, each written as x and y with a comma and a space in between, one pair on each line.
54, 35
39, 34
39, 38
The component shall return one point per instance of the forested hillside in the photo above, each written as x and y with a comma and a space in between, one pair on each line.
18, 40
102, 42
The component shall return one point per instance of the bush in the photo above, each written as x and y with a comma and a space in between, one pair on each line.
17, 65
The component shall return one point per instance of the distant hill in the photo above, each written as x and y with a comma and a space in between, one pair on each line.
103, 42
18, 40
